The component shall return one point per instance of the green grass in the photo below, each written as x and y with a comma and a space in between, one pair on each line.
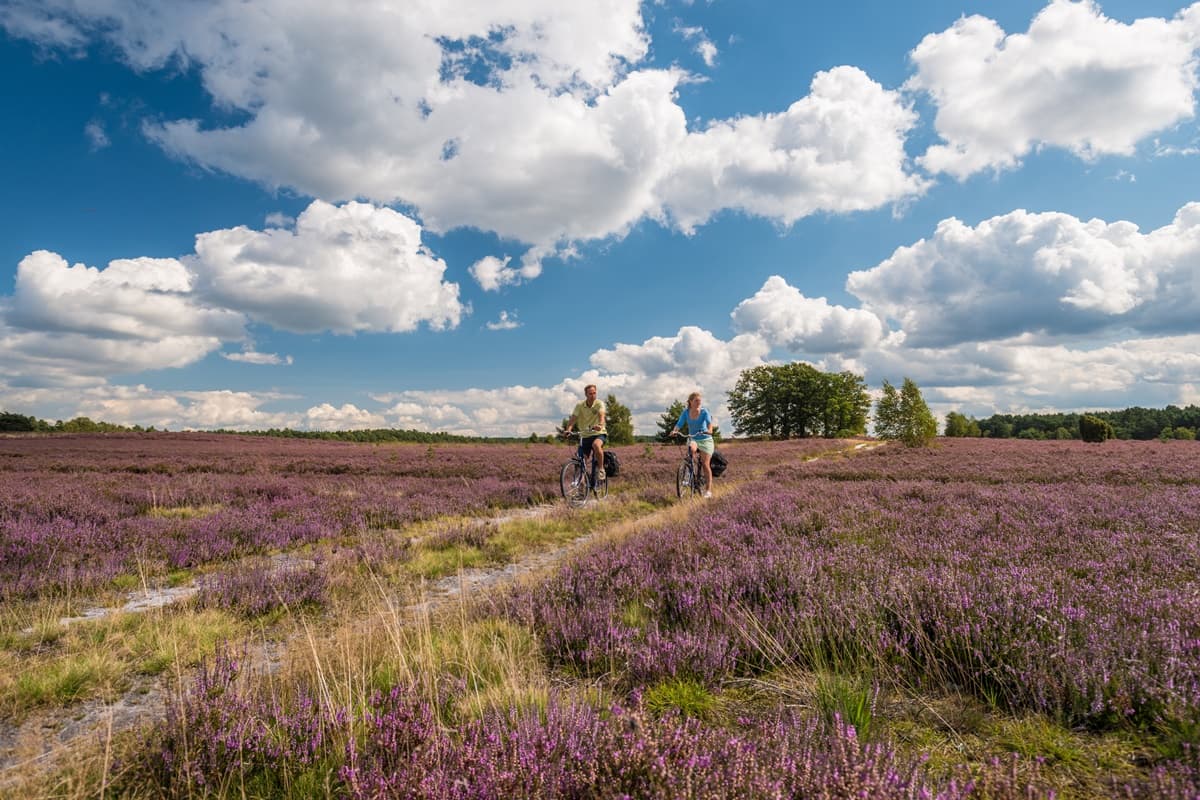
103, 656
848, 698
182, 512
65, 681
430, 563
682, 695
951, 732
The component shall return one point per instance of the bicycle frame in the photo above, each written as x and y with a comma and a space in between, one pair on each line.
576, 479
687, 476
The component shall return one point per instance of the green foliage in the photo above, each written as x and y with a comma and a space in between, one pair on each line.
688, 697
797, 400
903, 415
848, 698
1095, 430
1129, 423
1187, 434
960, 425
16, 422
666, 422
11, 422
619, 421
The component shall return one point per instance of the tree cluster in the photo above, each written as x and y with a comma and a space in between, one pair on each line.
904, 415
798, 400
1135, 422
17, 423
960, 425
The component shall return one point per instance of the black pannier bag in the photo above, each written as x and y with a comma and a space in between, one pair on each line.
612, 464
718, 463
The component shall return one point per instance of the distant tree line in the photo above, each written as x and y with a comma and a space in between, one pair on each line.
1136, 422
373, 435
19, 423
771, 401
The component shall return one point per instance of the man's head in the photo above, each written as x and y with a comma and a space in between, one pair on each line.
589, 392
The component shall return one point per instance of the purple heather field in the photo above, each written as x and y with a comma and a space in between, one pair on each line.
78, 511
1057, 578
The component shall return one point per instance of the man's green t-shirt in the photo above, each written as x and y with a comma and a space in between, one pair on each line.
586, 417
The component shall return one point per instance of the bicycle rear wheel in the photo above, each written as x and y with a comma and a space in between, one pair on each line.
685, 483
573, 483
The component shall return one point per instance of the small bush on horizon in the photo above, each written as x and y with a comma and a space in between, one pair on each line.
1095, 430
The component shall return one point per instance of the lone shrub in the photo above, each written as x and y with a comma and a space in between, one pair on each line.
1094, 429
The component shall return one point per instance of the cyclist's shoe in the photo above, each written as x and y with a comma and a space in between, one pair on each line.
707, 494
600, 474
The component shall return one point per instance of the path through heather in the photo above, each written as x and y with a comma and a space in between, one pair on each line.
42, 740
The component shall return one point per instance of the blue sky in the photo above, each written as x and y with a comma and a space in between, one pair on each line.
433, 215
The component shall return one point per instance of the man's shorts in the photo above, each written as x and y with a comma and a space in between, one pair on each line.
585, 444
705, 445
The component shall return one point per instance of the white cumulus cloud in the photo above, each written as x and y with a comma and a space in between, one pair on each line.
841, 148
786, 318
345, 268
529, 118
1076, 80
68, 324
1047, 274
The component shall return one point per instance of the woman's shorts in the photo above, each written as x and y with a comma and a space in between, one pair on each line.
705, 445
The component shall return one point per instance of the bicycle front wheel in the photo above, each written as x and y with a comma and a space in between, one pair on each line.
685, 484
573, 483
602, 488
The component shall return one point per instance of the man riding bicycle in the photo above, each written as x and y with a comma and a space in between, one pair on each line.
589, 416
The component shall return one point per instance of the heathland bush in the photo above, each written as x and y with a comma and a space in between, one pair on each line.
1094, 430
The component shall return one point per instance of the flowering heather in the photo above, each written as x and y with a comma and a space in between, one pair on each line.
1043, 577
224, 735
79, 510
262, 586
1071, 592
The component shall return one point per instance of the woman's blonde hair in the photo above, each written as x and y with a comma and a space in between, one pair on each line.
693, 396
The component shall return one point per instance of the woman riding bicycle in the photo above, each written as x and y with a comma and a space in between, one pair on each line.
699, 424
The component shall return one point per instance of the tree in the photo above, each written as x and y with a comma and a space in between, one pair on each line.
903, 415
618, 420
755, 403
782, 401
666, 422
16, 422
847, 404
958, 425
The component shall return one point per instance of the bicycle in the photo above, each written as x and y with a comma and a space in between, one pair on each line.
576, 479
689, 477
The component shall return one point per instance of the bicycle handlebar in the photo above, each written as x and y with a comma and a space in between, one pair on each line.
700, 435
579, 434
